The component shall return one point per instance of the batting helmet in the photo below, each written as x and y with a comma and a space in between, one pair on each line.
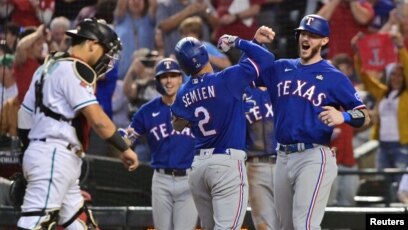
191, 54
98, 30
167, 65
314, 24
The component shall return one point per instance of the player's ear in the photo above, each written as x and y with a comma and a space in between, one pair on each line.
324, 41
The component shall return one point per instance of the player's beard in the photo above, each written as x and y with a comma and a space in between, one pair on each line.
312, 53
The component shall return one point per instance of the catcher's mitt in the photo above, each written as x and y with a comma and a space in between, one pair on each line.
17, 190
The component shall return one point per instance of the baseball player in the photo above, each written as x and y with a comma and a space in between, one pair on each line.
172, 152
306, 94
261, 157
212, 105
63, 88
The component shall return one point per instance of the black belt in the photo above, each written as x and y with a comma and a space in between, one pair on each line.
293, 148
173, 172
262, 159
69, 146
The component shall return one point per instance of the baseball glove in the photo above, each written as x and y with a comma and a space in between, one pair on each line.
17, 189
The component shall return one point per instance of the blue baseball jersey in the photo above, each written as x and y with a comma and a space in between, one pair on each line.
259, 116
298, 93
169, 148
213, 102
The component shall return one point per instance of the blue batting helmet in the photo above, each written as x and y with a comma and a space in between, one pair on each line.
191, 54
166, 65
315, 24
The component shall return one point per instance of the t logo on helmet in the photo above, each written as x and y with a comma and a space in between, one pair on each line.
167, 64
309, 21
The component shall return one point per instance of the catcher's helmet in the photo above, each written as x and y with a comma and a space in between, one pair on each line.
167, 65
98, 30
191, 54
314, 24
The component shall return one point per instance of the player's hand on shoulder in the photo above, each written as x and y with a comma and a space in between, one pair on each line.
264, 34
331, 116
225, 42
129, 159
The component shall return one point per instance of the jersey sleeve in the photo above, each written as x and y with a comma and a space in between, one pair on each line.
256, 60
346, 94
137, 122
78, 93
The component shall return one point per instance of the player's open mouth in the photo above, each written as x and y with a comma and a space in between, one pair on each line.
305, 47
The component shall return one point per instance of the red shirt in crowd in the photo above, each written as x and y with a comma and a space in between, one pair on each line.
24, 74
344, 145
237, 28
24, 13
344, 27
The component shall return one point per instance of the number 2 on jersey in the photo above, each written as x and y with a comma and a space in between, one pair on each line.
205, 120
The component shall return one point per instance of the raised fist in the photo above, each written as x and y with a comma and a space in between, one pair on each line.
225, 42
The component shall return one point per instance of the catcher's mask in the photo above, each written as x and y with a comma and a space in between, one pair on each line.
98, 30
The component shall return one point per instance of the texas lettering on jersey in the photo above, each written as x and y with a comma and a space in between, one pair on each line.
302, 89
255, 112
161, 131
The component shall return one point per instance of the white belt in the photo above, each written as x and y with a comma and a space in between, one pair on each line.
234, 153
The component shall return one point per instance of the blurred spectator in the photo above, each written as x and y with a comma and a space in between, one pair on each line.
29, 12
357, 15
120, 106
288, 15
398, 21
102, 9
139, 86
403, 189
170, 13
268, 16
236, 17
392, 97
134, 24
193, 27
8, 87
29, 55
382, 9
59, 41
70, 8
344, 187
10, 150
10, 33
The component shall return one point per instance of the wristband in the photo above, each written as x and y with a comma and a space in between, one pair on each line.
354, 117
346, 117
117, 141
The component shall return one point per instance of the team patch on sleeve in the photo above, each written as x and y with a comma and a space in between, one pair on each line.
88, 87
357, 96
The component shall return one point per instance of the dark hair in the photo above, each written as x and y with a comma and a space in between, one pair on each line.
404, 84
342, 58
12, 28
104, 10
27, 31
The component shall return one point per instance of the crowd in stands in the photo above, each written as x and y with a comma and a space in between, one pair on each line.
149, 30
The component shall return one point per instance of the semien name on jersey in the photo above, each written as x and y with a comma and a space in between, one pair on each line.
198, 95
